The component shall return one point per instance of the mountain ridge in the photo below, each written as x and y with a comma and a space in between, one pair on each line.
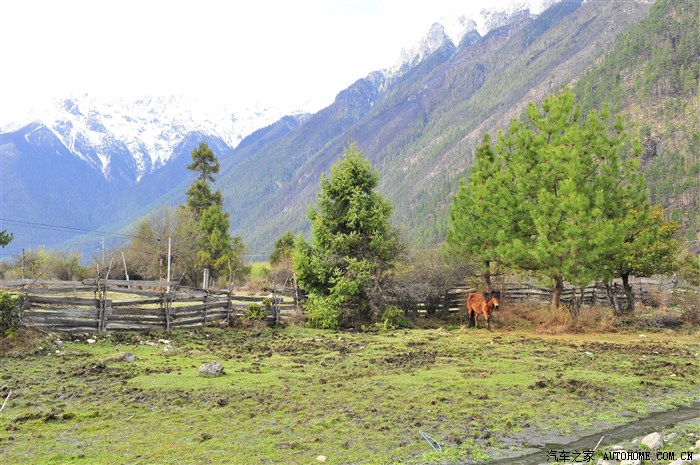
418, 126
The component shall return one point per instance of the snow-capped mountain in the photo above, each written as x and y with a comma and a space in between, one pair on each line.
142, 133
455, 28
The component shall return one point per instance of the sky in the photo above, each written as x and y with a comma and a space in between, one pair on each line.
293, 54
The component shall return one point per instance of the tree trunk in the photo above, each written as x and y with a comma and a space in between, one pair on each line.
612, 297
628, 292
558, 289
487, 275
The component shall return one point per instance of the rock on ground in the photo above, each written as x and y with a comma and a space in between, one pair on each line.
653, 441
211, 369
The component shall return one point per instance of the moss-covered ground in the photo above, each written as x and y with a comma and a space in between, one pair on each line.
291, 395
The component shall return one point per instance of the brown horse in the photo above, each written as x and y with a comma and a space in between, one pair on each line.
483, 303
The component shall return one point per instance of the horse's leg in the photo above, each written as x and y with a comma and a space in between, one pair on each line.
471, 312
476, 319
488, 321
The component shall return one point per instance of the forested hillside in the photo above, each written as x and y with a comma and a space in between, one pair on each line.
651, 77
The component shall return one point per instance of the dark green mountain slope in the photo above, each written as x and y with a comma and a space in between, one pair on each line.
651, 77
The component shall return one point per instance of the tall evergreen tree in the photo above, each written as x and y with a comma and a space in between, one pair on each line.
353, 244
206, 165
478, 223
218, 251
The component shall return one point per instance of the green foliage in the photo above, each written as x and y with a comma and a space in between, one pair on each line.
255, 312
551, 196
477, 225
651, 246
60, 265
323, 312
204, 163
200, 196
689, 269
219, 252
284, 247
67, 267
10, 313
5, 238
393, 317
353, 244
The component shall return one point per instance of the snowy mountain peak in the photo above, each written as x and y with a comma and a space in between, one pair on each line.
455, 28
435, 39
143, 132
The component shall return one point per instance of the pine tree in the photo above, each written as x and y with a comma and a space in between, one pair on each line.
650, 248
353, 244
552, 195
478, 222
206, 165
218, 251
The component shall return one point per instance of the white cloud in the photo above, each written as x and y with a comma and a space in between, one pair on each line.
279, 51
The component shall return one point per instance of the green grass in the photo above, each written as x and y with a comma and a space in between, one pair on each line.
290, 395
259, 270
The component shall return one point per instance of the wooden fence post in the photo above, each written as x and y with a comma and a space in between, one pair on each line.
228, 307
204, 310
166, 310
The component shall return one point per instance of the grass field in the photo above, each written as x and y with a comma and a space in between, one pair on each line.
292, 394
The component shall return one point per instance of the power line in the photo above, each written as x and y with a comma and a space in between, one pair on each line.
55, 227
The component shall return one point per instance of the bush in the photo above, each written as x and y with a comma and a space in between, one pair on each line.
393, 318
255, 312
322, 312
689, 301
9, 313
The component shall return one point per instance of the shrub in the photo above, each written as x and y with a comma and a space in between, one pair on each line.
393, 317
9, 313
255, 312
322, 312
690, 303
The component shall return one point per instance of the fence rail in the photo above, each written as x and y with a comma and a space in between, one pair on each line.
46, 305
646, 291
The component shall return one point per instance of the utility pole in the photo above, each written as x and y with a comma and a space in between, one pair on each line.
126, 273
168, 264
22, 263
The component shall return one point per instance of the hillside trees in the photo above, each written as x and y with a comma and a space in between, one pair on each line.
553, 195
353, 245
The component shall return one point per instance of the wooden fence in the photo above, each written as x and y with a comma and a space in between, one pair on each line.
93, 306
117, 305
649, 292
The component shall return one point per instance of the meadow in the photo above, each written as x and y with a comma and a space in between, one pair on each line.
293, 395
